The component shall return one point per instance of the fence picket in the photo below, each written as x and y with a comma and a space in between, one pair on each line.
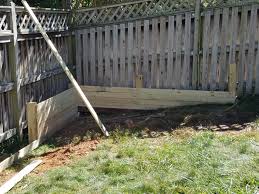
185, 78
162, 65
223, 51
92, 57
178, 64
107, 77
85, 51
130, 55
251, 50
242, 50
171, 48
122, 54
205, 57
154, 53
115, 56
215, 49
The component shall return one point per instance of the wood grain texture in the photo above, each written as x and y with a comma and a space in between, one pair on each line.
185, 78
55, 113
162, 64
86, 55
223, 50
251, 50
92, 74
205, 57
215, 50
171, 48
242, 50
100, 65
122, 55
130, 68
178, 63
107, 72
142, 98
116, 76
154, 70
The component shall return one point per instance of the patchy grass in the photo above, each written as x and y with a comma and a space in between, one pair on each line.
189, 162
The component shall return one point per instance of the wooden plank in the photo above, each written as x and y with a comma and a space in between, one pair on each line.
171, 44
19, 155
7, 135
162, 68
257, 72
79, 49
1, 116
232, 83
2, 62
143, 98
107, 74
185, 79
92, 57
15, 69
32, 121
251, 50
100, 56
18, 177
234, 31
85, 51
146, 71
196, 50
6, 87
215, 49
242, 50
223, 50
130, 75
115, 70
4, 112
178, 63
139, 81
154, 53
205, 57
122, 55
138, 51
55, 113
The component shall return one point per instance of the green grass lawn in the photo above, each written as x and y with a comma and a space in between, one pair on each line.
180, 162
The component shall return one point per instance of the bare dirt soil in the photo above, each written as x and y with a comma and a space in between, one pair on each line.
82, 136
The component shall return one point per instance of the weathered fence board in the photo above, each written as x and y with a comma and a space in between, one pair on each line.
40, 77
140, 48
161, 49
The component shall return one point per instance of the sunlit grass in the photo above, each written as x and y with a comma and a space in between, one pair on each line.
196, 162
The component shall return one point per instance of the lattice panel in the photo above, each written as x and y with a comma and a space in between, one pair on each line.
221, 3
3, 21
129, 11
51, 21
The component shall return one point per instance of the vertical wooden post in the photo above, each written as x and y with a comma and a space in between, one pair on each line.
139, 81
32, 121
196, 50
13, 58
232, 82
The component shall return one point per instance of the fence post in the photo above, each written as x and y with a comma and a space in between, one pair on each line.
32, 121
15, 72
232, 81
196, 48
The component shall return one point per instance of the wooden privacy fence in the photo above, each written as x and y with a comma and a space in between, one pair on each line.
190, 49
28, 69
162, 44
